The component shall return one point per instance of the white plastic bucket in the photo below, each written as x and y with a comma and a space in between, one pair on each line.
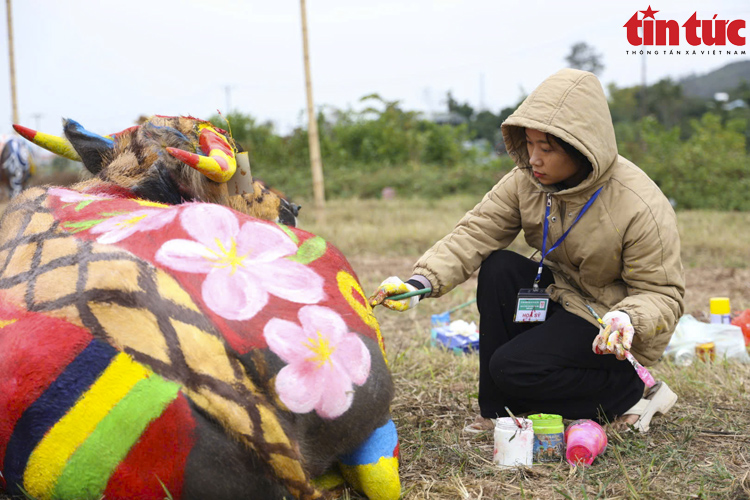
514, 446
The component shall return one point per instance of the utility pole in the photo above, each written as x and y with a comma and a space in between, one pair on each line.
316, 164
11, 58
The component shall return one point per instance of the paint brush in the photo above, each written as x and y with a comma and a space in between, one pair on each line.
641, 370
518, 422
410, 294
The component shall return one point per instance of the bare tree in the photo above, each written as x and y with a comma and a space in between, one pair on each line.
583, 56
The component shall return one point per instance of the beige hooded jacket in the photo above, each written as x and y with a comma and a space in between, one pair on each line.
623, 254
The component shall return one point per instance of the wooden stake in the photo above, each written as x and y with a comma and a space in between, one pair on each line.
11, 58
316, 164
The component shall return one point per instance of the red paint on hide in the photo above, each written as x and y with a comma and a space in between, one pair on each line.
25, 132
161, 452
34, 350
185, 157
211, 140
220, 130
242, 336
128, 130
113, 190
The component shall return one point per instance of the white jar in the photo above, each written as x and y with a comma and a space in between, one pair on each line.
514, 446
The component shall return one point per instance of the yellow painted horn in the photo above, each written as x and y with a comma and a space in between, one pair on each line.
57, 145
220, 164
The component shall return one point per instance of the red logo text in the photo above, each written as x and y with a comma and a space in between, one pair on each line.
651, 31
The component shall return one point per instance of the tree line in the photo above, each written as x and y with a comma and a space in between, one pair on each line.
695, 149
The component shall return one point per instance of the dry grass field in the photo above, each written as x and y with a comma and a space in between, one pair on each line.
700, 450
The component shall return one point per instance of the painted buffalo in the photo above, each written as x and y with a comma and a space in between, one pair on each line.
151, 342
16, 166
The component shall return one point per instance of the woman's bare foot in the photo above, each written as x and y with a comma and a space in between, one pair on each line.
481, 424
625, 421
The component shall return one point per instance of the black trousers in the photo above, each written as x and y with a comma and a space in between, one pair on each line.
544, 367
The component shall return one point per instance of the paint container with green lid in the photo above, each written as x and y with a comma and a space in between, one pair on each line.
549, 437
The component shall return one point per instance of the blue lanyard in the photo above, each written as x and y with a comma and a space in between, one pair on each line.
546, 252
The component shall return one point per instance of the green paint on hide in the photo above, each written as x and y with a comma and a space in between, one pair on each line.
289, 233
90, 467
77, 227
310, 250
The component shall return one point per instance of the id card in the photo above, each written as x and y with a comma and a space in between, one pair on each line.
531, 306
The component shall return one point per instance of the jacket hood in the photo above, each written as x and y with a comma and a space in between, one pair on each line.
570, 105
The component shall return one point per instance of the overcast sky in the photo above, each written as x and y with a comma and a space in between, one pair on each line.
104, 63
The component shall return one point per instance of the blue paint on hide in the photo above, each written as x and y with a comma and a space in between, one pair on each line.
381, 443
79, 129
172, 131
51, 406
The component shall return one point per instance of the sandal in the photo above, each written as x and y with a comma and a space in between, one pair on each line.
481, 424
659, 399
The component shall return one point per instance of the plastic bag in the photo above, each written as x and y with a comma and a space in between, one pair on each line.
458, 336
743, 321
728, 341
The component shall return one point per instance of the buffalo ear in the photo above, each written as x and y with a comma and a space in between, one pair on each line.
92, 148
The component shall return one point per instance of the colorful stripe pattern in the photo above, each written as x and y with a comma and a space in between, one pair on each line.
72, 439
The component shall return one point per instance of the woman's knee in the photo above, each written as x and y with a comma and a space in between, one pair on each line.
499, 264
505, 369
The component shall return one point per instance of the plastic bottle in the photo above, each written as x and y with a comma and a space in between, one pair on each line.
585, 440
549, 437
514, 446
720, 310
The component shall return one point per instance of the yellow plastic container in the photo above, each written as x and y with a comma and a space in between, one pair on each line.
720, 305
720, 310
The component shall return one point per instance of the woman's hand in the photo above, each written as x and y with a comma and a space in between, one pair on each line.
617, 336
394, 286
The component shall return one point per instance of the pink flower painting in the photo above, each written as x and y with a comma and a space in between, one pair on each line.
69, 196
324, 359
243, 264
119, 227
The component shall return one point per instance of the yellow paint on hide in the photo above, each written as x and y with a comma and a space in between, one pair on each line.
347, 283
113, 275
49, 458
13, 222
39, 223
6, 322
170, 289
321, 350
56, 283
210, 168
218, 134
379, 481
272, 396
329, 480
57, 145
291, 468
68, 313
146, 203
204, 353
227, 257
231, 415
271, 428
20, 262
131, 327
57, 248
